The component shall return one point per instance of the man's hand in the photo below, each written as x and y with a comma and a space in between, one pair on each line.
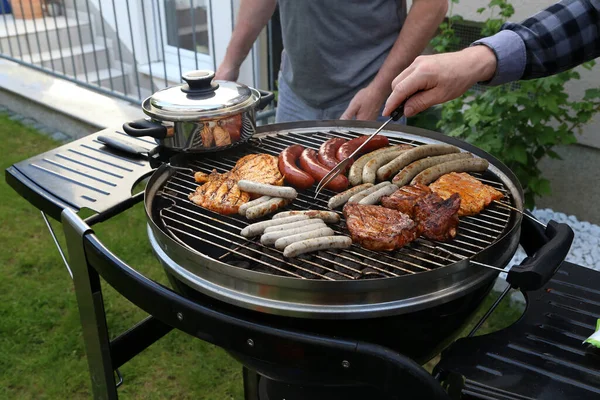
366, 104
440, 78
227, 72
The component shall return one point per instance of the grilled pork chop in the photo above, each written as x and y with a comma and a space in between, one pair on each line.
437, 218
221, 193
474, 195
405, 198
379, 228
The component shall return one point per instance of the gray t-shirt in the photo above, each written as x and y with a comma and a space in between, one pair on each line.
333, 48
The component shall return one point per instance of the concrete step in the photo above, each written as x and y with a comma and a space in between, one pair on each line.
104, 77
34, 37
82, 57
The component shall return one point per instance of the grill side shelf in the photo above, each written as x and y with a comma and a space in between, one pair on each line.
81, 174
541, 356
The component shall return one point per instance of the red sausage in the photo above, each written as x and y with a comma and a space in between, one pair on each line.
294, 175
349, 147
328, 151
310, 163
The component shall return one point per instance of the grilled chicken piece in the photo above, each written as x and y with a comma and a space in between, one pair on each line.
379, 228
208, 140
221, 136
202, 177
437, 218
221, 193
474, 195
260, 168
405, 198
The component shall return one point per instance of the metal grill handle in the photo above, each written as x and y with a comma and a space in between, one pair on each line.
535, 271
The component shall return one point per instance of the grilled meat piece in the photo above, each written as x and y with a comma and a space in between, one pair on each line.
221, 136
437, 218
474, 195
208, 140
405, 198
379, 228
221, 193
260, 168
202, 177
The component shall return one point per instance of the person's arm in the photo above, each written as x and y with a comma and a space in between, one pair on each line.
252, 18
556, 39
562, 36
421, 24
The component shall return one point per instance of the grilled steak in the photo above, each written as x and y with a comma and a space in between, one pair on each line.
379, 228
474, 195
437, 218
221, 193
405, 198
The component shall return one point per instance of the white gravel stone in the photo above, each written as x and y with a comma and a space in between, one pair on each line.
585, 249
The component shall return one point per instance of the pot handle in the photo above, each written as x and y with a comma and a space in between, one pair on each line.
536, 270
266, 97
143, 127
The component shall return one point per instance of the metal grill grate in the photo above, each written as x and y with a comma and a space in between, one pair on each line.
219, 235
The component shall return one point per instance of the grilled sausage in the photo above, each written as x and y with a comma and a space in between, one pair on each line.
412, 169
285, 192
328, 150
464, 165
356, 171
246, 206
269, 238
428, 150
294, 225
285, 241
361, 195
310, 163
259, 227
327, 216
316, 244
288, 168
369, 172
267, 207
350, 146
374, 197
342, 198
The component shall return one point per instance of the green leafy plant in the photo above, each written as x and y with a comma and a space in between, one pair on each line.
519, 124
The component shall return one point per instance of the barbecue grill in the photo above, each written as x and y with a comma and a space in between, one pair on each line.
346, 284
413, 301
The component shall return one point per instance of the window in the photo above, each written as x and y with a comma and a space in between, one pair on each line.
186, 33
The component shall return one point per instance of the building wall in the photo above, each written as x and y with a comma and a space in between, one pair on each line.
523, 9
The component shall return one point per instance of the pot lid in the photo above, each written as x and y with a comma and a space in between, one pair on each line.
200, 97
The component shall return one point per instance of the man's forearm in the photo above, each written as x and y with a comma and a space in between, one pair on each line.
252, 18
421, 24
558, 38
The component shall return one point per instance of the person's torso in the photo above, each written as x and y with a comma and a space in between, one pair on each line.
332, 48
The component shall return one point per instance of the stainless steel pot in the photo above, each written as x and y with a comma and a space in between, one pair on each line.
202, 115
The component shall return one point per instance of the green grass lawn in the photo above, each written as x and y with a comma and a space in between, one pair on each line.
41, 345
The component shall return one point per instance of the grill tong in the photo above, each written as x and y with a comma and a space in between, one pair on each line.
341, 166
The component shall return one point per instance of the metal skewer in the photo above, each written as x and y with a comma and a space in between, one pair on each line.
469, 260
531, 217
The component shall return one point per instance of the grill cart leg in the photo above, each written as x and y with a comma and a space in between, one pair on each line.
250, 384
490, 311
91, 312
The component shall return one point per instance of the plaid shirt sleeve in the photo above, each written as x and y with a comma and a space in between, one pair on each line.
560, 37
